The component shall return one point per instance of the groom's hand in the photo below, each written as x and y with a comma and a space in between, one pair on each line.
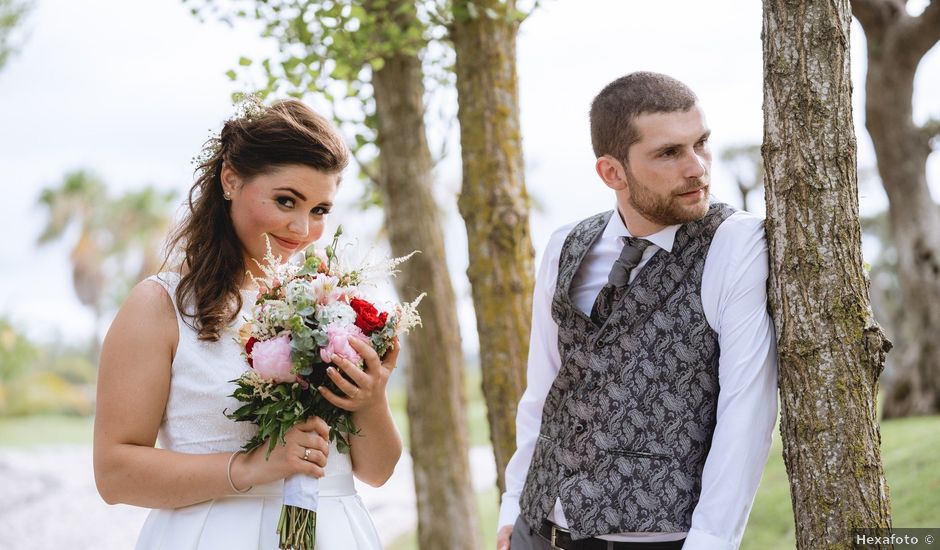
502, 537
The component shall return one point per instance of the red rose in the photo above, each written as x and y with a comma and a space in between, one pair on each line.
367, 317
248, 345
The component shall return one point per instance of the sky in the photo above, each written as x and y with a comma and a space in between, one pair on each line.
131, 90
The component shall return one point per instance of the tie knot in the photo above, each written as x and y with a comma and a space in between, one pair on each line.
636, 242
629, 258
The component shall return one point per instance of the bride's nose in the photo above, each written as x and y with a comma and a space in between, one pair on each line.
299, 225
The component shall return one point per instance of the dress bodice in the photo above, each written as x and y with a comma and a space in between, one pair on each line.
201, 385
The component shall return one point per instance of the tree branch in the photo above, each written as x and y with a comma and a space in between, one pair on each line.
923, 31
371, 176
876, 16
931, 130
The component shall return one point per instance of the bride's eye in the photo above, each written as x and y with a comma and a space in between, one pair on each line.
286, 202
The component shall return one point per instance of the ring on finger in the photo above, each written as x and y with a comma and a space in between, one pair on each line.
306, 454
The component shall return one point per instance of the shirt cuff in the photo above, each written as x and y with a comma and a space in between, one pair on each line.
508, 511
700, 540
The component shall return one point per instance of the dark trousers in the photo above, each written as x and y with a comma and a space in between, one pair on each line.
524, 538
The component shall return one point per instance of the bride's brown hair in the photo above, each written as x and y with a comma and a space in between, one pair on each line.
257, 141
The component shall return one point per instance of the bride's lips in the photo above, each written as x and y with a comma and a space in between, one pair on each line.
288, 244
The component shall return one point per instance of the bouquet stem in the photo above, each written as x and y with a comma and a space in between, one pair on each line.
297, 528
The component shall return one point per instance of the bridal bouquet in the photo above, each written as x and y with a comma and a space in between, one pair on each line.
304, 314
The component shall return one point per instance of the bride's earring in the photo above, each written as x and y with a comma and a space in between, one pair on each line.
228, 195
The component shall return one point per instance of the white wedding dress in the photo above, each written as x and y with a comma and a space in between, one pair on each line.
194, 422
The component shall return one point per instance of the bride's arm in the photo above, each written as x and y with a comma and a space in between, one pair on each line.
375, 451
133, 387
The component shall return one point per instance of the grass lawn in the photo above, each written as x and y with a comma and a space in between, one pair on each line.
28, 431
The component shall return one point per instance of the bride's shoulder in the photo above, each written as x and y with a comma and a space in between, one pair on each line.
152, 298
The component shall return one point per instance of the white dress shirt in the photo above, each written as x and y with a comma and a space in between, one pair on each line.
734, 298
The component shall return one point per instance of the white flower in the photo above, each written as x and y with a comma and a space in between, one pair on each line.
298, 292
336, 314
408, 316
325, 289
271, 315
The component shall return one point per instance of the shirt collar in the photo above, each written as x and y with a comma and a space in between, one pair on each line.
664, 238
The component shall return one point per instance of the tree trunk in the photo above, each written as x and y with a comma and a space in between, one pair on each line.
831, 350
896, 44
447, 516
494, 205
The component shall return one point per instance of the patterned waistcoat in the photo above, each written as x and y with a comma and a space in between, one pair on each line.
629, 419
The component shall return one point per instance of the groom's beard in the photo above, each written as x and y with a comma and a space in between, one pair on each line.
668, 208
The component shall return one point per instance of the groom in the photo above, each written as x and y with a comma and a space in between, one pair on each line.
652, 388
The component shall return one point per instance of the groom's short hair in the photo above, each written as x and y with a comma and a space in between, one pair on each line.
615, 108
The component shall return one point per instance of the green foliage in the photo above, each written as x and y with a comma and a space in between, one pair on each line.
275, 408
16, 353
12, 15
329, 49
37, 379
44, 393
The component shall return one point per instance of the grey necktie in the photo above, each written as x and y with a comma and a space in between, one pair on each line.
618, 278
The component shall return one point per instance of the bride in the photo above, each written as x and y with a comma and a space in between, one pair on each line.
171, 353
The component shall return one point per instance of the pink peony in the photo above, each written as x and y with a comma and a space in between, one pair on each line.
271, 360
339, 343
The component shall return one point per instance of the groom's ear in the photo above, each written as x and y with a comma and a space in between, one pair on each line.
612, 172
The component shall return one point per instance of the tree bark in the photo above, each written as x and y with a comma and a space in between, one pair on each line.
831, 350
896, 44
494, 205
447, 516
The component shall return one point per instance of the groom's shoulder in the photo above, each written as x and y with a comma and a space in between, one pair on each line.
741, 227
739, 239
563, 231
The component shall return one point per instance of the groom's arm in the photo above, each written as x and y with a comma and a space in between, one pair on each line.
747, 403
542, 367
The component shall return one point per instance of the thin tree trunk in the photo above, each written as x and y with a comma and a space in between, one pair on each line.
831, 350
896, 44
494, 205
447, 516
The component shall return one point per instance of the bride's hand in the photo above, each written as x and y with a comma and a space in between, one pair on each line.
368, 386
304, 451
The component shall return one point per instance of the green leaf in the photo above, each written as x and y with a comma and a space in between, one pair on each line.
244, 61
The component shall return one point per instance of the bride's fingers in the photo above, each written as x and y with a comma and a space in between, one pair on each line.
365, 350
345, 386
341, 402
359, 377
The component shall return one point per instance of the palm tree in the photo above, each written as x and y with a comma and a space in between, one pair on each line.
117, 239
